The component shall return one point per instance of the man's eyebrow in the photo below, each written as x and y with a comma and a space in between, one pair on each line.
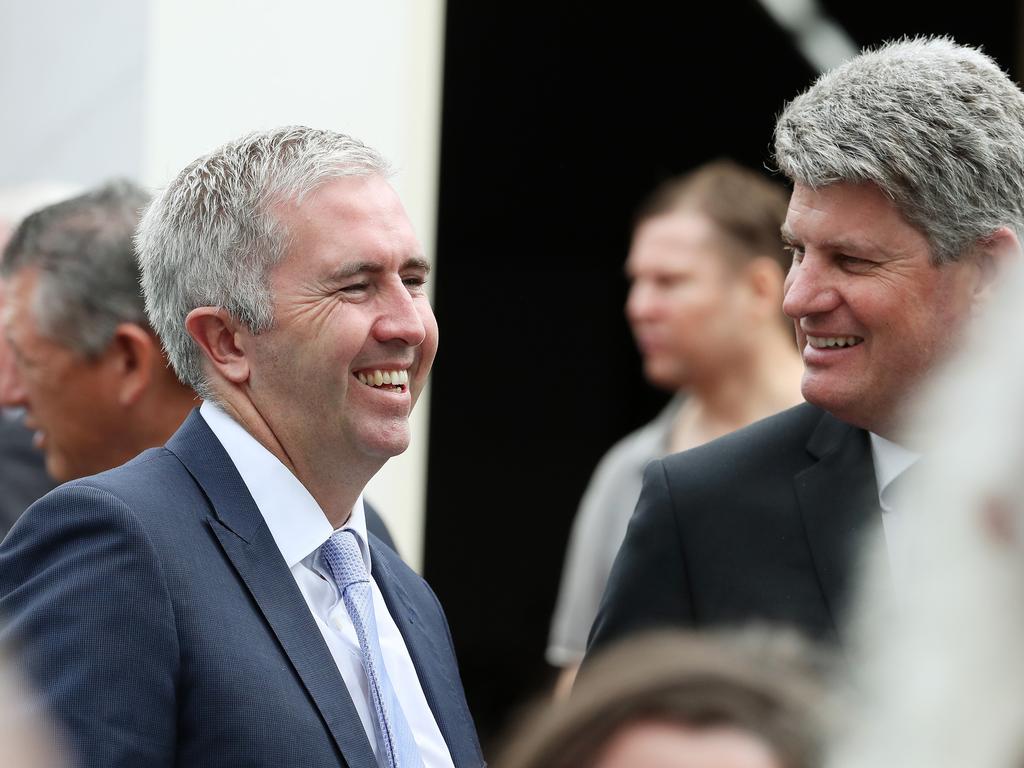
374, 268
841, 245
416, 262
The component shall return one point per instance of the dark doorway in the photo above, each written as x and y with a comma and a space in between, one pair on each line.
557, 119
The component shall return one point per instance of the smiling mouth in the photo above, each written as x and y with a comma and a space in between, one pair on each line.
832, 342
390, 381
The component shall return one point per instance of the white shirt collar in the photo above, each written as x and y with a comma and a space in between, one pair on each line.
891, 460
295, 520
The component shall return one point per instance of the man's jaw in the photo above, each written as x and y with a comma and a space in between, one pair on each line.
38, 433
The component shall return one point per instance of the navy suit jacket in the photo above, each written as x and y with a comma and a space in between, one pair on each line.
157, 618
23, 477
761, 526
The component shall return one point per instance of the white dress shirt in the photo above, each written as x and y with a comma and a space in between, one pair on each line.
299, 527
892, 460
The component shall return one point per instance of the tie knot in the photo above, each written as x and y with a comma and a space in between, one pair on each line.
344, 560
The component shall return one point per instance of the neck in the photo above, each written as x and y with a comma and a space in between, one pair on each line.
765, 381
333, 478
150, 420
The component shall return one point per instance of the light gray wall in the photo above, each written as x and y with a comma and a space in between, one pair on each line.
71, 89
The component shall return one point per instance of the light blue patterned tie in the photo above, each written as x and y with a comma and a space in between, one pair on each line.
395, 742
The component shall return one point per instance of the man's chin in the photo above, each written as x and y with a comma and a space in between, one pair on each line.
59, 470
849, 410
387, 444
665, 378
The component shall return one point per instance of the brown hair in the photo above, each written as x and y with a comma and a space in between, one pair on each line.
747, 208
761, 682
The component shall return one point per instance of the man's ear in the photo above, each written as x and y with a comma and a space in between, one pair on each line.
764, 277
994, 255
217, 334
132, 353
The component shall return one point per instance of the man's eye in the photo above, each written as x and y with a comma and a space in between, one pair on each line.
355, 288
414, 282
668, 282
852, 262
796, 251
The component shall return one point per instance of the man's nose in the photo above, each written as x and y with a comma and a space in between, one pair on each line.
400, 319
639, 302
809, 289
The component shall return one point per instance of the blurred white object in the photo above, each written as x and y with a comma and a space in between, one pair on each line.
939, 664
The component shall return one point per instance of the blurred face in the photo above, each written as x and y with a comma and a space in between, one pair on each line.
873, 316
354, 335
669, 745
686, 303
68, 399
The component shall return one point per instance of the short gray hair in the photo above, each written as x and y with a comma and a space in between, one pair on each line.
88, 277
937, 126
211, 237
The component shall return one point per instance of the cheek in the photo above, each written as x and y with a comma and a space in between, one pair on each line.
698, 314
45, 389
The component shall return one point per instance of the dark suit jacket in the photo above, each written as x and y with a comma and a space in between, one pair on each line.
760, 525
375, 524
23, 477
159, 621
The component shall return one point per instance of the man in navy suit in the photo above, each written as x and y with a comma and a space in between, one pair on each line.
184, 609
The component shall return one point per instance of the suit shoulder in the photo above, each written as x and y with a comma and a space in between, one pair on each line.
153, 491
145, 475
778, 442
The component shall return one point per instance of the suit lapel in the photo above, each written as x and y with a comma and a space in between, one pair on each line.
838, 500
249, 545
432, 660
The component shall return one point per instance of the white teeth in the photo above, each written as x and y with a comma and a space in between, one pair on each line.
821, 342
379, 378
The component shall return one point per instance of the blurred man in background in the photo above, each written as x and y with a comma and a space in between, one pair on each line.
89, 371
706, 268
23, 477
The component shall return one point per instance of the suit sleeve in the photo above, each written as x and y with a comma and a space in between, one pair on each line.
648, 586
88, 617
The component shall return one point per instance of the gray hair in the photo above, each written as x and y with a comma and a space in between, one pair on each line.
88, 278
937, 126
212, 236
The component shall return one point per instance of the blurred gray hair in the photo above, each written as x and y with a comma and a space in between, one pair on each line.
211, 237
89, 281
937, 126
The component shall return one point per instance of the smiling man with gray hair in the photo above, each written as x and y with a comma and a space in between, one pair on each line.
907, 165
219, 601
